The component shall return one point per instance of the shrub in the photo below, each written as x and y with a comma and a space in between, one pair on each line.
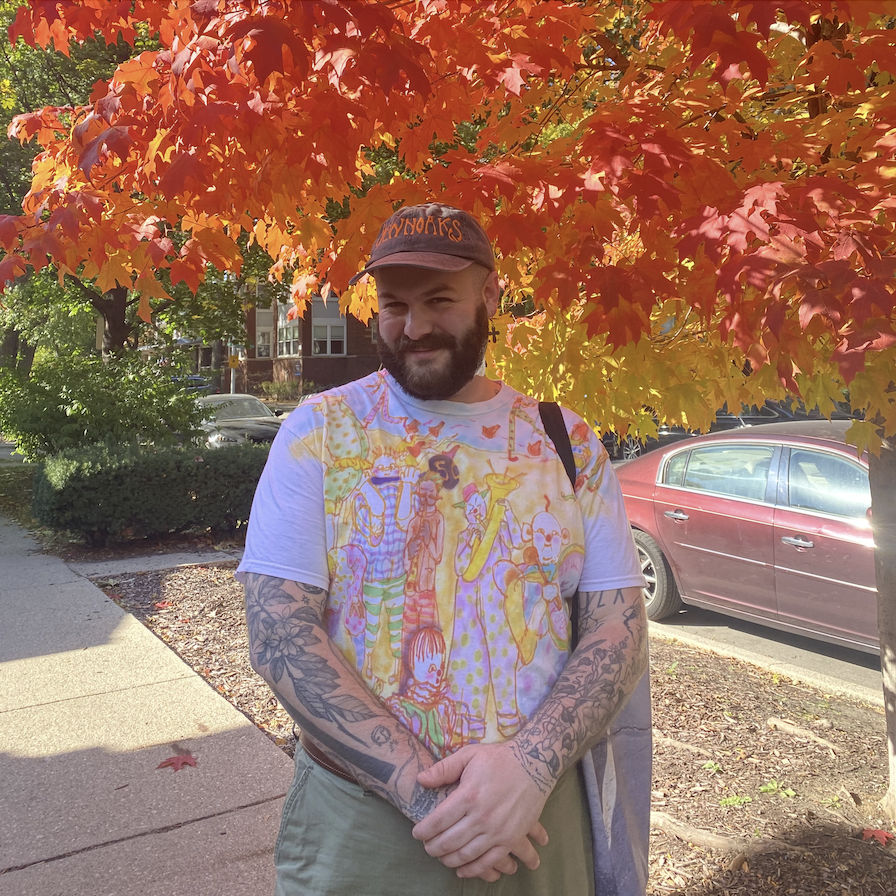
287, 391
130, 490
79, 401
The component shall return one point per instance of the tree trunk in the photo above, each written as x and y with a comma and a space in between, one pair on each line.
883, 523
15, 352
113, 306
9, 347
26, 357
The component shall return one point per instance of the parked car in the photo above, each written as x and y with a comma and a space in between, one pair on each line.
238, 418
765, 523
194, 383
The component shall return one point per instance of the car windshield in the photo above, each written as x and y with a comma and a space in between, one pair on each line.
239, 408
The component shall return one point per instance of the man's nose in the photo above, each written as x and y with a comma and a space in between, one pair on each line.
417, 323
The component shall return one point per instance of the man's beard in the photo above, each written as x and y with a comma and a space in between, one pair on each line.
438, 380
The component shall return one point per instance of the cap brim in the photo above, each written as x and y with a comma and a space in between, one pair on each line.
434, 261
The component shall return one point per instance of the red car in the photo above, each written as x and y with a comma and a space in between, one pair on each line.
769, 524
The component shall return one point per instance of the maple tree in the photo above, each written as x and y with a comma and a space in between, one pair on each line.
693, 202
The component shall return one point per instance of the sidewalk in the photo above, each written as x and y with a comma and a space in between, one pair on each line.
90, 703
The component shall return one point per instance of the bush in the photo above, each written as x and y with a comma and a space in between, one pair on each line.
291, 390
135, 491
79, 401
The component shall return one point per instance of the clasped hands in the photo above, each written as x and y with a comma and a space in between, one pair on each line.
489, 817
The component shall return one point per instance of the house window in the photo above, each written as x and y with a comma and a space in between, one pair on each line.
374, 331
329, 339
289, 333
327, 328
264, 331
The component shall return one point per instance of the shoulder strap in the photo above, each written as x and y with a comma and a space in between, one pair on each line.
555, 429
552, 418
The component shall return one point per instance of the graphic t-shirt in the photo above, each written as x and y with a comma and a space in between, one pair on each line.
448, 537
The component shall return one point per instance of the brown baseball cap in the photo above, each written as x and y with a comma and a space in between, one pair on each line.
433, 236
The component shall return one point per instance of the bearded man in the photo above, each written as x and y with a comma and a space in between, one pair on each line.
375, 807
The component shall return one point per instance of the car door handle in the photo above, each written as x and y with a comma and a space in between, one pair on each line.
676, 515
798, 541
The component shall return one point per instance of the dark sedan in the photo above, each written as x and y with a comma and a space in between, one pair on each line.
234, 419
769, 524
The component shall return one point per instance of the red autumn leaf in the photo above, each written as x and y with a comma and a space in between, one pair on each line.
882, 837
11, 267
185, 173
270, 38
178, 762
162, 604
115, 139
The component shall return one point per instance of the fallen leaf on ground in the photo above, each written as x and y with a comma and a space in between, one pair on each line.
882, 837
178, 762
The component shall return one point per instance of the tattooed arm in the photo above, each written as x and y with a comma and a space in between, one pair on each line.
289, 647
504, 786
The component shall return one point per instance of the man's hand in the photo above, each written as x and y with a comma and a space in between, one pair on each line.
493, 812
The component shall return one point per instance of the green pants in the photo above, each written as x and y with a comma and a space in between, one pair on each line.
336, 839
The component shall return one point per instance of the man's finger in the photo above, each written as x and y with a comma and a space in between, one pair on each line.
440, 820
507, 865
446, 771
539, 834
527, 854
481, 865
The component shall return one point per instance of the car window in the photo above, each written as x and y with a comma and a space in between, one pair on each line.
737, 470
236, 408
675, 468
828, 484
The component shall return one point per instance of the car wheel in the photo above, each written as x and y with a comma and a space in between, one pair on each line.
631, 448
661, 594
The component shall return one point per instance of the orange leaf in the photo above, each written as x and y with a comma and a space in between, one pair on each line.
115, 140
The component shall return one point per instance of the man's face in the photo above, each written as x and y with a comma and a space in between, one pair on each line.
433, 328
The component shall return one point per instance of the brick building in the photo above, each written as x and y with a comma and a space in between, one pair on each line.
324, 347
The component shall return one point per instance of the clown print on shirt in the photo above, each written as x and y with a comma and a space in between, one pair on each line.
449, 538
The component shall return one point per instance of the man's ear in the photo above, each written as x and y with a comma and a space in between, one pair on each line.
491, 292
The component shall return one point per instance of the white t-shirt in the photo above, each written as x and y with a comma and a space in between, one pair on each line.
447, 535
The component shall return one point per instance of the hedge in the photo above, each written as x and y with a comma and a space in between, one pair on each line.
135, 491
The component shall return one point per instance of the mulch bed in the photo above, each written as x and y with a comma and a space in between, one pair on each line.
762, 787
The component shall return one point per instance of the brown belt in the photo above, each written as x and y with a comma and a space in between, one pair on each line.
315, 754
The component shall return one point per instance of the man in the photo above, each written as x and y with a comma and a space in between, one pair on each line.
451, 769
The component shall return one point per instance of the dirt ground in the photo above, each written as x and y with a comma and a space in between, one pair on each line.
762, 787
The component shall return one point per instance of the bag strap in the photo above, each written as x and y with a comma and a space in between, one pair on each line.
555, 430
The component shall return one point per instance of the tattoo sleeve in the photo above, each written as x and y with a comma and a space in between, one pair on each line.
290, 649
601, 673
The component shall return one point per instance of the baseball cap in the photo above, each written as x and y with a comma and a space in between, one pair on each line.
432, 236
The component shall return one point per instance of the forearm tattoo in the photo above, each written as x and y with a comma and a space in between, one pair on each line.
593, 686
287, 647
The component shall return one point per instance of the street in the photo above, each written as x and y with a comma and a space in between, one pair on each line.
833, 669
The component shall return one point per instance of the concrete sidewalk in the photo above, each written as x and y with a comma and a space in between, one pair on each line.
90, 703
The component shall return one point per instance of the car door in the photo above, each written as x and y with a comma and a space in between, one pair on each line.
824, 550
716, 524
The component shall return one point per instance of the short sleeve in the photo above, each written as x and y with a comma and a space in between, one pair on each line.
611, 560
287, 533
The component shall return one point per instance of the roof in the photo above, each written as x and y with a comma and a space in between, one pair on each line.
816, 430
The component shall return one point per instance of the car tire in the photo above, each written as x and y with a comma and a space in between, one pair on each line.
631, 448
661, 595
